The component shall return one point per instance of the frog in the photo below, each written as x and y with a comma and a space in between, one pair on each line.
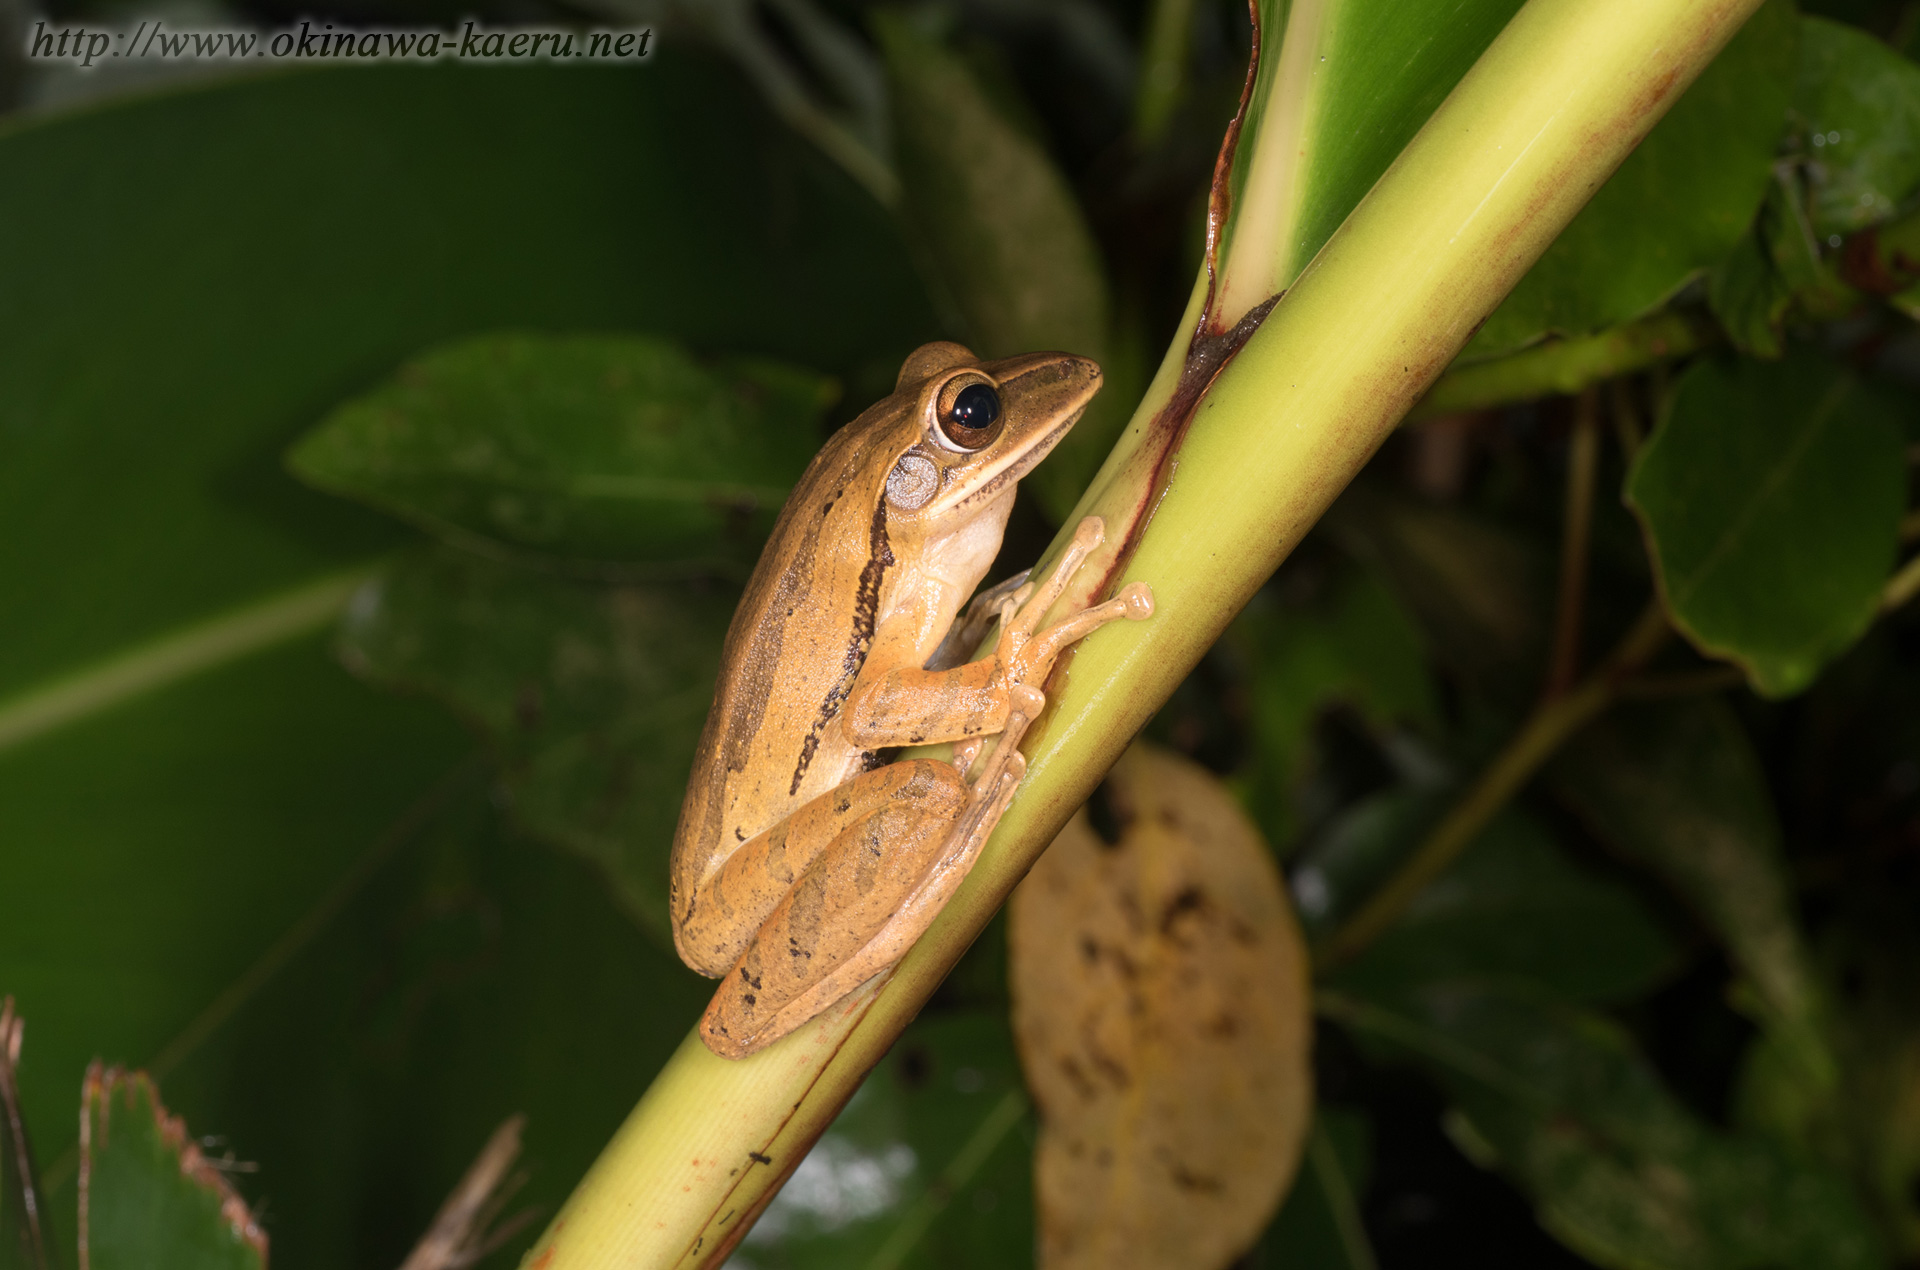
811, 853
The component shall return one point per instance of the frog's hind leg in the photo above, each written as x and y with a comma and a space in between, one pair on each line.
724, 910
831, 929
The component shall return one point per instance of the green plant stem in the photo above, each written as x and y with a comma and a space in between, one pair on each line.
1567, 366
1163, 68
1551, 723
1341, 1201
1583, 460
176, 656
915, 1222
1902, 586
1558, 99
1626, 420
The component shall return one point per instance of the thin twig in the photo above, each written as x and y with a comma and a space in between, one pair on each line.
1583, 460
1910, 526
30, 1240
1685, 683
1902, 586
1551, 723
1626, 420
914, 1223
311, 923
402, 830
1342, 1204
458, 1236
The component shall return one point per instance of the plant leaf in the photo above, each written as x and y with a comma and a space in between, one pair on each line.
1361, 77
1319, 1227
149, 1198
608, 447
1358, 647
592, 695
1160, 1005
1511, 908
1477, 590
1677, 788
1771, 500
1858, 102
266, 246
1004, 235
1677, 206
1559, 1101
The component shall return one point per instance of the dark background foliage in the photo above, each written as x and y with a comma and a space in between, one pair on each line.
354, 893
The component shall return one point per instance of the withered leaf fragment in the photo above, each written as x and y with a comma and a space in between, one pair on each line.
1162, 1011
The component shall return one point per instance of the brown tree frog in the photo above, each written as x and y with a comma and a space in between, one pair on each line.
805, 863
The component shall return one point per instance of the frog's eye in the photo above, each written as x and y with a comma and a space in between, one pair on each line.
968, 414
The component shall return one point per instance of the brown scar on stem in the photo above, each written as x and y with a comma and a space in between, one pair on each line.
1209, 350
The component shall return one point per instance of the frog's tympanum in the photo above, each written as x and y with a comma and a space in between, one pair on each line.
806, 863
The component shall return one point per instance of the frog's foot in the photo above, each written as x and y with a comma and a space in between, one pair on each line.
1030, 603
1033, 661
1030, 655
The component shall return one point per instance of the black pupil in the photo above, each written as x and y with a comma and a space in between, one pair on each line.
976, 407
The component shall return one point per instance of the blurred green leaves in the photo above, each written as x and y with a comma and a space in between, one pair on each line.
609, 448
1858, 103
1004, 239
930, 1164
1356, 648
1677, 788
153, 1199
1513, 908
1771, 499
214, 869
282, 907
1675, 208
592, 695
1621, 1172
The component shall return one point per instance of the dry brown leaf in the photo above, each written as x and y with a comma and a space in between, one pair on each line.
1161, 1006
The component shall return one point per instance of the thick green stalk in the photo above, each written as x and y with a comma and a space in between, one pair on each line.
1203, 514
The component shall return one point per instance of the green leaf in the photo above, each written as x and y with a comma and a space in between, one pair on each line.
1560, 1102
1319, 1226
170, 333
602, 446
1750, 299
1512, 908
1771, 501
1361, 77
476, 976
591, 694
1004, 237
1677, 206
1477, 590
929, 1165
1357, 646
1777, 269
1677, 788
153, 1201
1858, 103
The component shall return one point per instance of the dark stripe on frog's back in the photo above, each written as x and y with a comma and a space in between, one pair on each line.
833, 505
866, 615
